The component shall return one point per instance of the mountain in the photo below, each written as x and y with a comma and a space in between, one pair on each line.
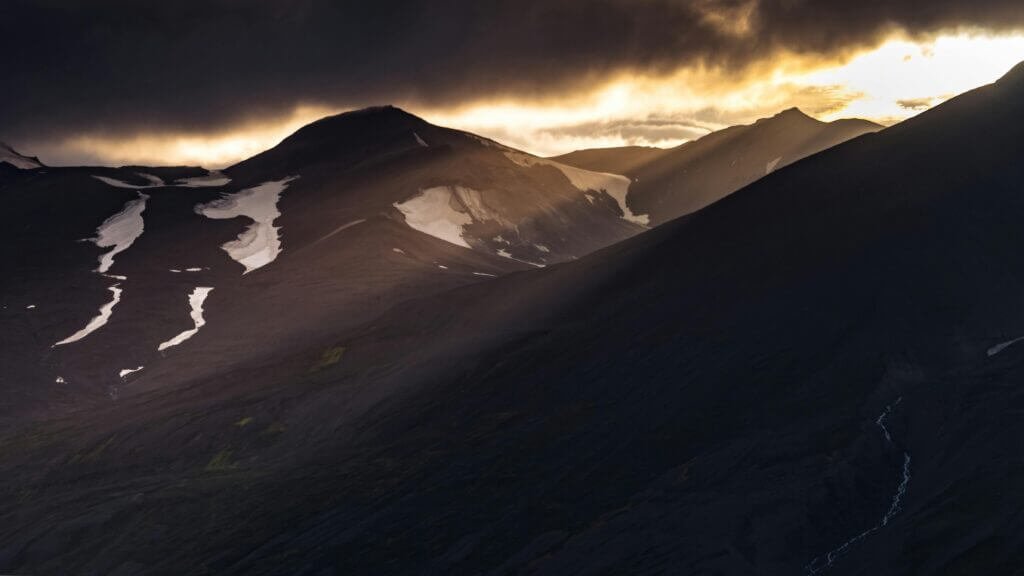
813, 375
142, 276
816, 374
674, 182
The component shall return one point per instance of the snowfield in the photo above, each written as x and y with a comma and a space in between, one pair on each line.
96, 323
260, 243
120, 231
195, 301
614, 185
771, 165
432, 212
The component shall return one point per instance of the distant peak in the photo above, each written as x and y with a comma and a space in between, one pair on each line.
793, 112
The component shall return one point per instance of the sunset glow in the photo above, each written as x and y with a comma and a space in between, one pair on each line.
895, 80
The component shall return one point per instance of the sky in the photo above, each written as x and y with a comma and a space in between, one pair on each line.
212, 82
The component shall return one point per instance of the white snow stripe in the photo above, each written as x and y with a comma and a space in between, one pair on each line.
120, 230
195, 301
96, 323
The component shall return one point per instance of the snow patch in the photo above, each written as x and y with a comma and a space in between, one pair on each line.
128, 371
59, 380
195, 301
1003, 346
120, 230
432, 212
96, 323
542, 248
30, 307
442, 267
484, 274
398, 250
771, 165
212, 179
504, 253
260, 243
420, 140
614, 185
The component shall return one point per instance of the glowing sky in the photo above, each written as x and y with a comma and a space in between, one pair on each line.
894, 80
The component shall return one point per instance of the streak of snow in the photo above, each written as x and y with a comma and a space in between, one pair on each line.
825, 562
420, 140
398, 250
431, 212
30, 307
212, 179
260, 243
128, 371
195, 301
771, 165
504, 253
120, 230
542, 248
484, 274
614, 185
154, 182
338, 230
442, 267
1003, 346
193, 269
96, 323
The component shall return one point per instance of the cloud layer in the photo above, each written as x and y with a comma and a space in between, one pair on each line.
113, 67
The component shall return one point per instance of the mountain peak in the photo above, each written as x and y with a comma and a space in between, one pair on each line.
793, 113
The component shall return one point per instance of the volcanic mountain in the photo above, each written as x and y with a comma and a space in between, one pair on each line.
670, 183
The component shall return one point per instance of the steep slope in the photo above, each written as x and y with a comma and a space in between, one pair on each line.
154, 276
670, 183
807, 377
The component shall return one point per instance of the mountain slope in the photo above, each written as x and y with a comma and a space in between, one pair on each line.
670, 183
184, 273
810, 370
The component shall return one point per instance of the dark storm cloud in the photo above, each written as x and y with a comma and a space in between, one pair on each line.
123, 66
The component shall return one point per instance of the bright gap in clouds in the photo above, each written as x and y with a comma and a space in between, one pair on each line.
889, 83
896, 80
